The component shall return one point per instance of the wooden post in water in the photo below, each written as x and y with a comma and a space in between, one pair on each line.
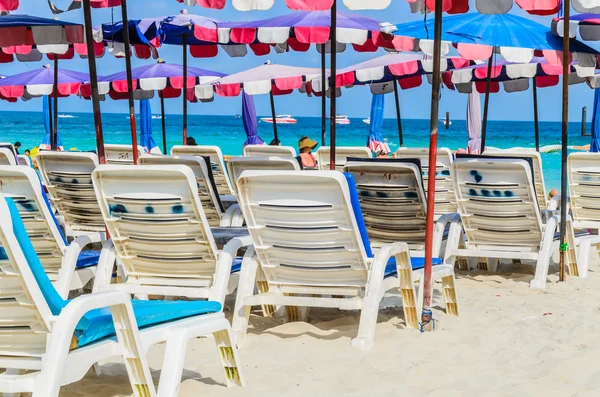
447, 120
563, 247
134, 143
583, 120
91, 55
426, 314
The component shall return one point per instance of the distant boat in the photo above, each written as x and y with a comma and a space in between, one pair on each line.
339, 119
65, 116
237, 116
443, 121
281, 119
157, 116
367, 120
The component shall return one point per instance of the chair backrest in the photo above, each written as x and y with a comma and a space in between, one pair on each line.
237, 165
209, 197
584, 186
155, 218
216, 161
120, 154
24, 160
497, 203
538, 172
23, 186
269, 151
392, 199
7, 157
25, 315
306, 230
341, 155
445, 198
68, 177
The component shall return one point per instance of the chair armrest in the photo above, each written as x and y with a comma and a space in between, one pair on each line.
438, 231
127, 333
233, 216
69, 262
221, 278
105, 267
383, 256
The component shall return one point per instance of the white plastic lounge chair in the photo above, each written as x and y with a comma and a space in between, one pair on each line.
24, 160
445, 198
207, 189
341, 154
217, 163
393, 203
120, 154
312, 248
48, 342
538, 172
68, 178
500, 215
269, 151
7, 157
161, 235
584, 187
66, 264
237, 165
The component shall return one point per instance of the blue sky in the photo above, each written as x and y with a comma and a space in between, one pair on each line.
355, 102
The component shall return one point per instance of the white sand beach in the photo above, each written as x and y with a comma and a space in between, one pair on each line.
509, 340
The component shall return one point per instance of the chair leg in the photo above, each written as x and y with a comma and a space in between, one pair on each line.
462, 263
262, 287
450, 295
409, 297
482, 263
12, 371
241, 312
229, 357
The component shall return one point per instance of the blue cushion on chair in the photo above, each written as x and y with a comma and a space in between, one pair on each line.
88, 258
97, 324
236, 266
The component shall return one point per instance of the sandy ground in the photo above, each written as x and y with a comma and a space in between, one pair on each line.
509, 340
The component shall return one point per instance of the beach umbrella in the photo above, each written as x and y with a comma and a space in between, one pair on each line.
375, 141
49, 127
272, 79
250, 122
595, 144
390, 72
44, 81
146, 140
474, 123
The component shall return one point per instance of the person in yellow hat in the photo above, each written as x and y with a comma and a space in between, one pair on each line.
306, 146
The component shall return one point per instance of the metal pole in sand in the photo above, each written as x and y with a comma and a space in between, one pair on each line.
134, 144
323, 99
333, 84
273, 117
565, 141
54, 135
184, 93
89, 39
426, 314
535, 116
486, 101
398, 116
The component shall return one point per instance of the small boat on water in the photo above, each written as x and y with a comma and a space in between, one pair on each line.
339, 119
443, 121
281, 119
367, 120
65, 116
156, 116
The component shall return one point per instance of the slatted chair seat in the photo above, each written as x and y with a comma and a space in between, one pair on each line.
269, 151
237, 165
217, 164
341, 154
120, 154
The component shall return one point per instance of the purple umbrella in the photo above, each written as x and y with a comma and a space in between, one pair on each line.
474, 123
164, 77
249, 119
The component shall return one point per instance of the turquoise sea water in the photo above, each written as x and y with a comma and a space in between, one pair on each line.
228, 133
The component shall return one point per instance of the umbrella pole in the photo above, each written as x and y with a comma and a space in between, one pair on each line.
162, 119
89, 39
486, 102
535, 117
333, 84
54, 135
184, 90
426, 323
50, 123
565, 141
134, 144
323, 99
398, 116
273, 116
